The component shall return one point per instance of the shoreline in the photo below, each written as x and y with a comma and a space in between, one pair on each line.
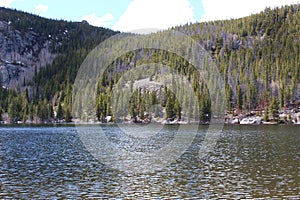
255, 120
145, 124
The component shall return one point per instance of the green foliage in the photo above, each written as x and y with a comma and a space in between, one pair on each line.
59, 114
261, 52
170, 105
71, 42
15, 109
266, 115
68, 116
274, 109
258, 57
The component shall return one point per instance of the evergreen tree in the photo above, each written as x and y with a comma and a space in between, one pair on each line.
59, 114
177, 109
260, 52
68, 116
266, 115
15, 109
274, 109
170, 114
239, 98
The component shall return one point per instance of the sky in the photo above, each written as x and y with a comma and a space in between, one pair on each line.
130, 15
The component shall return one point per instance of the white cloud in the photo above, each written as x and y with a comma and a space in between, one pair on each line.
41, 8
6, 3
228, 9
160, 14
104, 21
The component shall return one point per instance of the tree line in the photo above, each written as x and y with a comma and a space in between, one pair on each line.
258, 57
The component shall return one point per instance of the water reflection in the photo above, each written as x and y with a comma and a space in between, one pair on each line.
248, 162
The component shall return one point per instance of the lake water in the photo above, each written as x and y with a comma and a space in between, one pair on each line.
247, 162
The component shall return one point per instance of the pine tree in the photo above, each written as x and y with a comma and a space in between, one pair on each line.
239, 98
154, 103
15, 109
170, 106
274, 109
266, 115
259, 51
229, 95
68, 116
59, 114
142, 107
177, 109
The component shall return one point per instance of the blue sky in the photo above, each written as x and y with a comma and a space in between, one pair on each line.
72, 10
127, 15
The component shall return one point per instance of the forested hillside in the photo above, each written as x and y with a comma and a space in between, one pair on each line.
258, 57
46, 54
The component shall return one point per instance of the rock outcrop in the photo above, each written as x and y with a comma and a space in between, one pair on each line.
21, 52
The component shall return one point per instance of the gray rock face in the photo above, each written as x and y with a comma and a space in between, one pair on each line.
21, 53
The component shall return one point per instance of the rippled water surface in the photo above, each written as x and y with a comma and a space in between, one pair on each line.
247, 162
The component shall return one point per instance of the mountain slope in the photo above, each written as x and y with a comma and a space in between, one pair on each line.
29, 42
258, 57
259, 54
37, 52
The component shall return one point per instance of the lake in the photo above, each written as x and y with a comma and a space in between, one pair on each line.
52, 162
